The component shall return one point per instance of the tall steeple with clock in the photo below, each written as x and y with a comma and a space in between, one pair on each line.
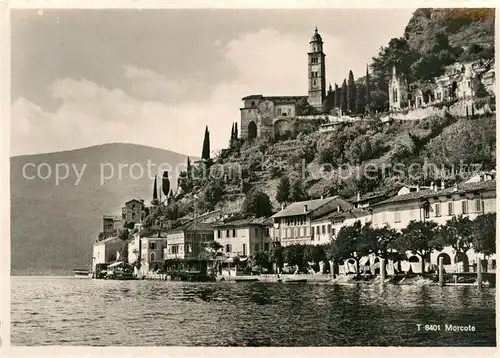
316, 69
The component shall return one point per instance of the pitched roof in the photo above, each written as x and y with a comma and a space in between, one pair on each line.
243, 222
424, 194
297, 208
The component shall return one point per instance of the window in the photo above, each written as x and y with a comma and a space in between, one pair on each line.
314, 82
228, 248
267, 231
227, 234
244, 249
234, 232
329, 228
333, 232
438, 209
152, 257
219, 234
175, 249
279, 112
253, 103
152, 245
266, 246
317, 230
187, 248
257, 247
478, 205
464, 207
397, 216
426, 212
323, 229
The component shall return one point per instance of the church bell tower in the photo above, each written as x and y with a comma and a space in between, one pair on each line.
316, 72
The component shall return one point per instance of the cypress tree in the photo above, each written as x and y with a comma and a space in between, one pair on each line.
188, 165
361, 99
231, 141
205, 153
368, 95
351, 93
236, 131
343, 97
337, 96
155, 193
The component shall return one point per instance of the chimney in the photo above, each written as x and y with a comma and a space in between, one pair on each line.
305, 208
442, 184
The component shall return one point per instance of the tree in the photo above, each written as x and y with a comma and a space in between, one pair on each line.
257, 203
231, 140
165, 184
458, 233
484, 234
345, 245
297, 192
205, 153
283, 190
276, 256
155, 194
351, 93
212, 194
236, 134
360, 99
294, 255
343, 98
337, 96
419, 238
368, 99
261, 258
123, 234
314, 253
386, 242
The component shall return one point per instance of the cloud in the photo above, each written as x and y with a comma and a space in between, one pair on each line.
162, 112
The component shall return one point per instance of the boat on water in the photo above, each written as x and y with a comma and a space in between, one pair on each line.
246, 279
81, 273
295, 280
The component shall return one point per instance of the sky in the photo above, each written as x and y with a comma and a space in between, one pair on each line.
158, 77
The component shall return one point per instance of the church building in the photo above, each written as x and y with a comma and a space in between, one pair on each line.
272, 115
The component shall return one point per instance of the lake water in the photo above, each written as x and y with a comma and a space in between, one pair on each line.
70, 311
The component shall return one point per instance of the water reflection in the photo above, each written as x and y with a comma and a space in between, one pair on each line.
93, 312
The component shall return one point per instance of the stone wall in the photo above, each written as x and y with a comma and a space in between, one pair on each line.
458, 109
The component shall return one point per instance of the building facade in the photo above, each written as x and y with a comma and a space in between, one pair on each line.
243, 237
188, 242
271, 116
106, 251
294, 223
111, 225
133, 211
459, 81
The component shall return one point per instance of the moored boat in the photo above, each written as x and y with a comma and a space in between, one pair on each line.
81, 273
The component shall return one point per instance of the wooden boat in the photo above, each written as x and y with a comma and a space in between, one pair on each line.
246, 279
81, 273
295, 280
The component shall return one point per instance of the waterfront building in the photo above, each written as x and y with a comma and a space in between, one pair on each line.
243, 237
152, 252
435, 203
295, 222
188, 242
106, 251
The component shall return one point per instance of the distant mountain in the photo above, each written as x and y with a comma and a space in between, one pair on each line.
53, 224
